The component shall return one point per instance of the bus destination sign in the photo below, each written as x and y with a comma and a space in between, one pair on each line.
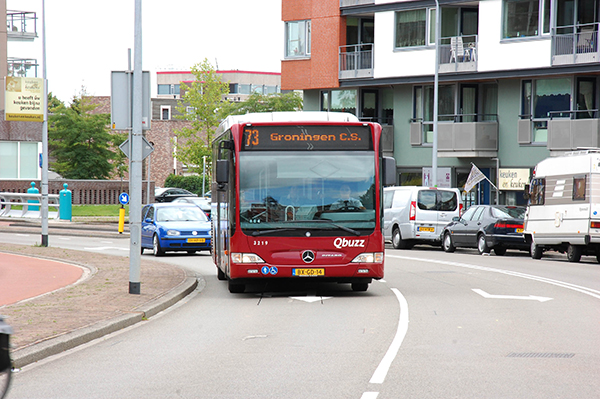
306, 138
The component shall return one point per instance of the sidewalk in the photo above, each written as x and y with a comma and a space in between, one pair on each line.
56, 299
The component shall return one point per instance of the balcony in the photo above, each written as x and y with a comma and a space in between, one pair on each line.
458, 54
459, 136
22, 67
350, 3
564, 131
580, 47
21, 25
356, 61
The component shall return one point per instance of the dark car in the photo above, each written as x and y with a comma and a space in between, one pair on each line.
175, 227
486, 227
169, 194
201, 202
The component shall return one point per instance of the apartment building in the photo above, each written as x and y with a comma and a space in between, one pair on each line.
518, 80
20, 142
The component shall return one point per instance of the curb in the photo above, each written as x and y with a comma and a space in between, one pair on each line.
56, 345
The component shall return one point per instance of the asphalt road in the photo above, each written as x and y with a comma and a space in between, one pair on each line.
438, 326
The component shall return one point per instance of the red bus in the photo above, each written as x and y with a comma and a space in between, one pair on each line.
298, 195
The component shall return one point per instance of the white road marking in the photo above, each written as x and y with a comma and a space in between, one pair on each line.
104, 248
369, 395
578, 288
383, 368
529, 297
310, 299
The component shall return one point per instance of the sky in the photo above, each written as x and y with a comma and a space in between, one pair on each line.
87, 40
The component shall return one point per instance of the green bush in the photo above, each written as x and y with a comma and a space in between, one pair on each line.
191, 183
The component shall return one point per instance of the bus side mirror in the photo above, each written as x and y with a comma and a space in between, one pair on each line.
222, 172
389, 171
526, 192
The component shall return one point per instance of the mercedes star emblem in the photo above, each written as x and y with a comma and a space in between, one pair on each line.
308, 256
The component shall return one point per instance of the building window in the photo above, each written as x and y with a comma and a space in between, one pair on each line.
168, 89
297, 39
525, 18
544, 99
423, 107
165, 112
411, 28
19, 160
339, 101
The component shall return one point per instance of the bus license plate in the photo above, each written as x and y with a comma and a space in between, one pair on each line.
195, 240
308, 272
423, 228
518, 230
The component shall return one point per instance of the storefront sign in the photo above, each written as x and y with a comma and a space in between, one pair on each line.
24, 99
513, 179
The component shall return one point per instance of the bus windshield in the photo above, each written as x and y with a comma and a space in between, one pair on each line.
291, 193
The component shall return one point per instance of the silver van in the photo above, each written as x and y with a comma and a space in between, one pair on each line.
417, 215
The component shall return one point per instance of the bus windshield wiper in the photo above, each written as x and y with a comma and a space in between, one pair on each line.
339, 226
279, 230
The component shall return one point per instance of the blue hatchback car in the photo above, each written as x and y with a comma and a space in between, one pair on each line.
175, 227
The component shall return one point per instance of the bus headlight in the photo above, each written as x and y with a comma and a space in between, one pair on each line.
369, 257
237, 257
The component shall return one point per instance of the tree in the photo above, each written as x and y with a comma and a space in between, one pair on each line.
201, 105
79, 141
291, 101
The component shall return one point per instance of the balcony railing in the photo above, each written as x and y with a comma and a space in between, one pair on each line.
576, 44
22, 67
458, 54
562, 130
21, 25
356, 61
461, 135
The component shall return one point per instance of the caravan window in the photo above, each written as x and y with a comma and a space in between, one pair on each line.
579, 184
537, 191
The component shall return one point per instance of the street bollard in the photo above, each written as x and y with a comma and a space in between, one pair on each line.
33, 190
121, 219
65, 204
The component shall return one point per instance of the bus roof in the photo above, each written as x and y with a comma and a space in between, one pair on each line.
300, 116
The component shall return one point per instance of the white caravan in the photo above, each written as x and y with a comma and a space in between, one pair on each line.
564, 206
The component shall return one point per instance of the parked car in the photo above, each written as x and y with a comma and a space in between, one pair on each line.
175, 227
169, 194
201, 202
486, 227
416, 215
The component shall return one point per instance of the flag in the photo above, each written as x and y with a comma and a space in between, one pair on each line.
474, 177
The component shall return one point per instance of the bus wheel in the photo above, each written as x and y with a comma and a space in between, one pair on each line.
236, 288
574, 253
360, 287
397, 240
220, 275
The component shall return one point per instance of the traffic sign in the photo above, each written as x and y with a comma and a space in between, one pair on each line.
124, 198
147, 148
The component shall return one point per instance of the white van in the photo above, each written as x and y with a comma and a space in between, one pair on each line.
563, 213
414, 215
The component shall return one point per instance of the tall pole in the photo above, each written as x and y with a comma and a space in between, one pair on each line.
434, 156
135, 173
44, 207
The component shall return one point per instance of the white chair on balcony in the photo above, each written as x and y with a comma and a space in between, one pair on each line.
457, 49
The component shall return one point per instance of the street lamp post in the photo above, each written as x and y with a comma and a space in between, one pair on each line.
436, 95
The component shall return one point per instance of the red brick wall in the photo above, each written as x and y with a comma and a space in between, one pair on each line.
327, 34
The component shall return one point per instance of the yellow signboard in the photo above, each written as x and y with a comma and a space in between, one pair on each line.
513, 179
24, 99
